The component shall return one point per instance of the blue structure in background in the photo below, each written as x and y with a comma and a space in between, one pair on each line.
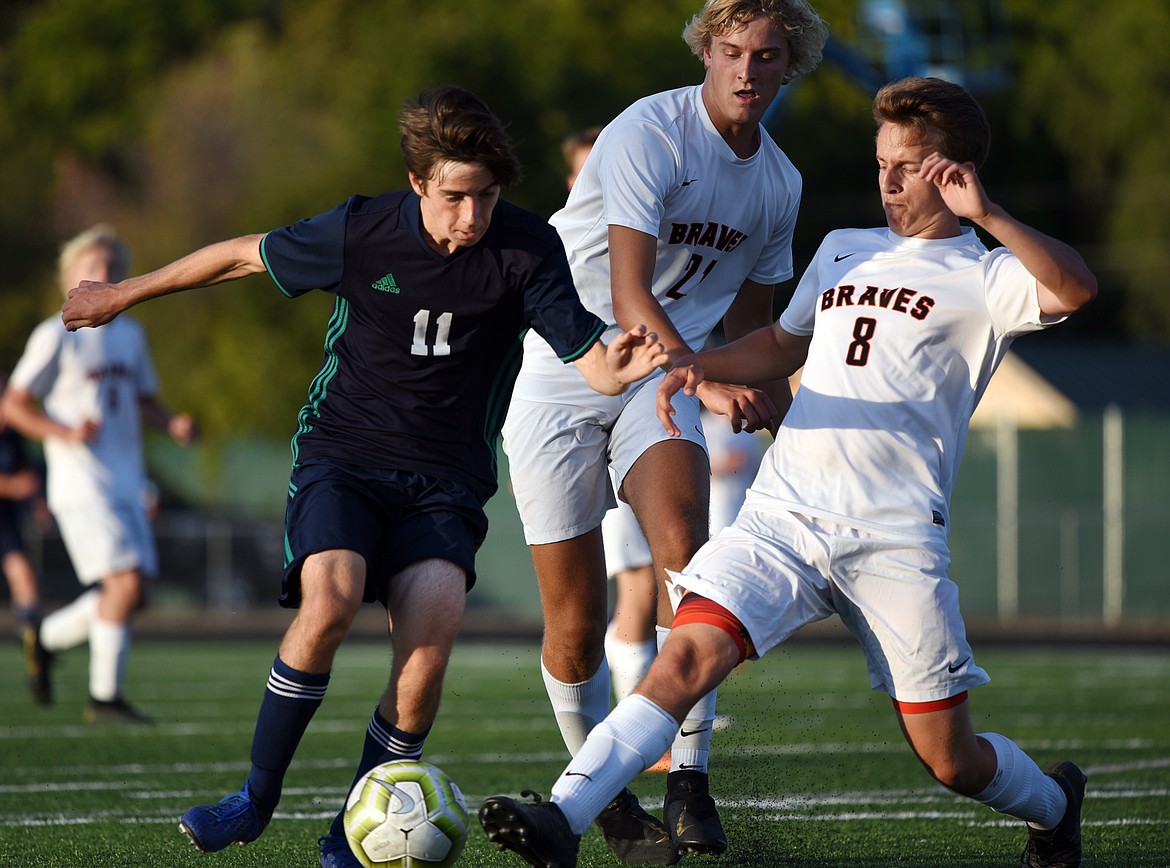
966, 42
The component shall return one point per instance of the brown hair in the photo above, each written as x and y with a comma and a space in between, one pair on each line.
942, 108
453, 124
805, 30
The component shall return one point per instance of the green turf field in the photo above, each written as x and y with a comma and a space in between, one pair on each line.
812, 772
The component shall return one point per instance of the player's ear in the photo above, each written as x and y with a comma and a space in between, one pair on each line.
417, 184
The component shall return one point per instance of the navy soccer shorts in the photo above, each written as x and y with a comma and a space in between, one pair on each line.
11, 537
391, 518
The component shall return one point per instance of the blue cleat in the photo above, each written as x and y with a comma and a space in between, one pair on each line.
335, 852
234, 819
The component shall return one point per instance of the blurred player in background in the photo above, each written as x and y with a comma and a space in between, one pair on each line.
87, 396
682, 216
902, 328
395, 451
735, 458
20, 485
575, 149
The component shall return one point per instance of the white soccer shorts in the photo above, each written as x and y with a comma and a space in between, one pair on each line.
777, 572
560, 454
105, 539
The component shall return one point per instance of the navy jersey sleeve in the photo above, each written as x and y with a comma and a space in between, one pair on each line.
554, 308
309, 254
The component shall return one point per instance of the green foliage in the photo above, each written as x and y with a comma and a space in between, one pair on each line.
205, 119
1096, 78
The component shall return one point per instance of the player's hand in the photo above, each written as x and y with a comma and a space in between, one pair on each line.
183, 429
91, 304
86, 432
748, 409
634, 354
23, 485
958, 183
685, 378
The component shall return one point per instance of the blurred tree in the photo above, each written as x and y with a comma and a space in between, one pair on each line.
1096, 79
204, 119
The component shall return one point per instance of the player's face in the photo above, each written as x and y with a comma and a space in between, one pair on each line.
745, 69
914, 208
457, 204
92, 263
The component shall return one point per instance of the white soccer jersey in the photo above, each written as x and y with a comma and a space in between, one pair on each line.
97, 374
662, 168
906, 335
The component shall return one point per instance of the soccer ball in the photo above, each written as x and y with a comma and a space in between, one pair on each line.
405, 814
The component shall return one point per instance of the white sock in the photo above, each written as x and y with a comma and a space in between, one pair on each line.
68, 627
109, 649
691, 748
578, 707
628, 662
1020, 789
620, 747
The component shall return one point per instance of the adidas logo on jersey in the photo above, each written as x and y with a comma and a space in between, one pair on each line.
386, 284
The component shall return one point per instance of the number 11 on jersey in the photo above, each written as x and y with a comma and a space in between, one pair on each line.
422, 322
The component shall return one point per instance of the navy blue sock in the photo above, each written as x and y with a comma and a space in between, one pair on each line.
290, 701
383, 744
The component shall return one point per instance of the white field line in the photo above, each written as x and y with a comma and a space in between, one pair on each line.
70, 774
788, 809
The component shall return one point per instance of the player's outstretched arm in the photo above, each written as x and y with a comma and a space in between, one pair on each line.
1064, 282
766, 355
629, 357
91, 304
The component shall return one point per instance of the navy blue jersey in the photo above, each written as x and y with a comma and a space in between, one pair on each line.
422, 349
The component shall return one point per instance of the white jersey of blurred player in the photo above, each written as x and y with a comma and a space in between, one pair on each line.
98, 375
660, 168
735, 458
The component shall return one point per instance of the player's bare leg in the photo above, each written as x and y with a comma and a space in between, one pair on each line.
22, 586
669, 490
573, 594
424, 611
332, 583
427, 601
991, 769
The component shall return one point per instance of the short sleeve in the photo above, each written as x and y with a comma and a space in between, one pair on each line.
1012, 298
308, 254
799, 317
637, 167
554, 309
36, 371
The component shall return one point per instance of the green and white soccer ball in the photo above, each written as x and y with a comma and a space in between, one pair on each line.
406, 814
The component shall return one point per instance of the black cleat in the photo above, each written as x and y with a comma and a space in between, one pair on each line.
691, 815
1059, 847
116, 711
536, 831
37, 664
634, 835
